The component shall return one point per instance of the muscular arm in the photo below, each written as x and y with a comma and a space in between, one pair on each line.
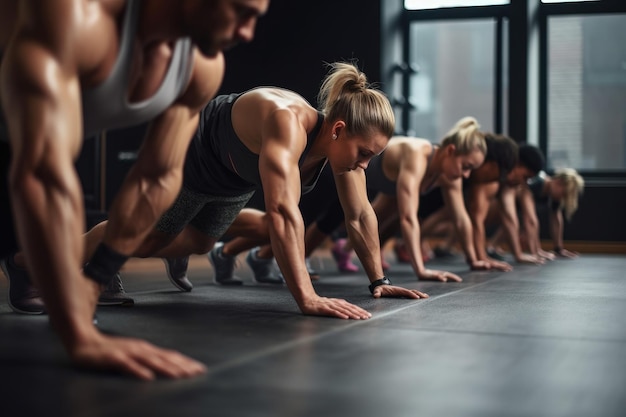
282, 144
510, 221
480, 198
556, 228
362, 227
41, 96
155, 179
407, 191
454, 201
530, 222
361, 221
280, 175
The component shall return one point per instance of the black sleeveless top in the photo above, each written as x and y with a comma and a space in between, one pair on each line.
218, 163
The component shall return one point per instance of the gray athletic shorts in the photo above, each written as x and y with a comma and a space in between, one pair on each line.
209, 214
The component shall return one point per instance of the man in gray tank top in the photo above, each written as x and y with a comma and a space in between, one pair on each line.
74, 67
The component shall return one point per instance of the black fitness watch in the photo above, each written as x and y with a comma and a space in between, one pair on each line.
378, 283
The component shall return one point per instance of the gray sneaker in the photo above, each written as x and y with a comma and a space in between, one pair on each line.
224, 266
114, 294
313, 274
177, 272
263, 268
24, 297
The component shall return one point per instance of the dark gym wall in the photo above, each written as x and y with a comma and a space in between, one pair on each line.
294, 39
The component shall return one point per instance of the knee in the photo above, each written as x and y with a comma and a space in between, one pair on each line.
202, 245
201, 249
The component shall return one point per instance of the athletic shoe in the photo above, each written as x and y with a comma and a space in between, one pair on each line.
223, 265
494, 254
313, 274
343, 258
263, 268
176, 269
443, 253
24, 297
114, 294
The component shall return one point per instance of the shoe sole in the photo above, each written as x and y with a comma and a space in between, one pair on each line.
275, 281
230, 283
272, 282
13, 307
123, 303
172, 280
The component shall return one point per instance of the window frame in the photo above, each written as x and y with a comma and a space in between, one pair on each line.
539, 19
545, 11
496, 12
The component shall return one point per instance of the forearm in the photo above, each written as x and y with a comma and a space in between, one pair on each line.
556, 229
465, 232
287, 241
44, 128
49, 220
511, 229
479, 240
153, 182
410, 229
532, 234
364, 238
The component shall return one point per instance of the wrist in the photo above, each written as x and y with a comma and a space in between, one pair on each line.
378, 283
104, 264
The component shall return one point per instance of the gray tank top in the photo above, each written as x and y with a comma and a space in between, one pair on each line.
107, 107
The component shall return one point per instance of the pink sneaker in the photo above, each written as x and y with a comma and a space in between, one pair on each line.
402, 255
343, 258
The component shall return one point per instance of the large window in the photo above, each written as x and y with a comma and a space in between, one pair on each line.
437, 4
586, 72
455, 63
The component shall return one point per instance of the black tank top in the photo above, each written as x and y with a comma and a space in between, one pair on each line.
218, 163
536, 186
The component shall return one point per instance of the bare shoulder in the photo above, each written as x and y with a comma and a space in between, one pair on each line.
409, 144
406, 149
275, 106
275, 98
485, 189
206, 78
77, 33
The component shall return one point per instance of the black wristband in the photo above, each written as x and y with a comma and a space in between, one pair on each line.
378, 283
104, 264
558, 249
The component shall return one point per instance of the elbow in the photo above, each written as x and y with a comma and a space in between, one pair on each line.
42, 181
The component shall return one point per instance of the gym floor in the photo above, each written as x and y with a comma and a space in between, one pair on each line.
538, 341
